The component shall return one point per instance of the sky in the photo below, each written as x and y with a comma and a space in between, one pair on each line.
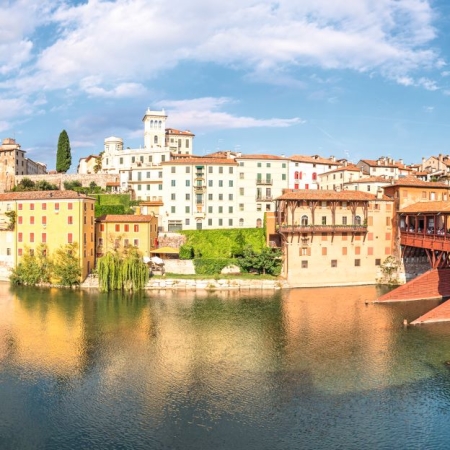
350, 78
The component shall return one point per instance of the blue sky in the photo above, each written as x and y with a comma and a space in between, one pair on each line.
350, 78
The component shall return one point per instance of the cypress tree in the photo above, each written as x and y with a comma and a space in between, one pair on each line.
63, 155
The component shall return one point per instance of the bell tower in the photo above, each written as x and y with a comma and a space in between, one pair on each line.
154, 129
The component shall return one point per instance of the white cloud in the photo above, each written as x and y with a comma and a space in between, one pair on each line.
428, 109
205, 114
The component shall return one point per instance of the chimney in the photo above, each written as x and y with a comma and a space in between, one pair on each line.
379, 193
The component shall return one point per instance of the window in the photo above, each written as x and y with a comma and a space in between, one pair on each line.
188, 183
20, 237
241, 191
56, 206
230, 222
304, 264
334, 263
187, 222
230, 210
241, 222
20, 206
258, 207
230, 169
69, 205
378, 262
69, 238
324, 220
220, 183
172, 196
210, 196
220, 196
283, 177
188, 196
32, 206
220, 169
173, 169
258, 223
324, 251
241, 164
188, 169
230, 183
70, 220
188, 209
220, 209
220, 222
259, 164
117, 228
44, 220
230, 197
210, 169
8, 252
304, 221
344, 251
173, 183
44, 238
388, 221
210, 209
19, 220
314, 176
126, 227
210, 183
136, 228
283, 165
357, 262
357, 221
210, 222
344, 220
172, 209
241, 207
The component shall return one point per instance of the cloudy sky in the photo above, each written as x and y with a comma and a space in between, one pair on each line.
350, 78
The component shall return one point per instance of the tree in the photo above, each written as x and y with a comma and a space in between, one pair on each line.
63, 155
267, 261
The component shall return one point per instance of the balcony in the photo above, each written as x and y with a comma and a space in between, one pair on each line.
266, 182
429, 241
152, 201
264, 198
323, 229
199, 189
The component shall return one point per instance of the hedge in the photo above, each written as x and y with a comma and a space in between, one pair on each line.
210, 266
101, 210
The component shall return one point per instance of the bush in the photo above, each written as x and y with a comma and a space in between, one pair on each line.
186, 252
101, 210
211, 266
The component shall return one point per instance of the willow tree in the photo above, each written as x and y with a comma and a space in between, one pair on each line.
125, 271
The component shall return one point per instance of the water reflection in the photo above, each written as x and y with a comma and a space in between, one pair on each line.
201, 370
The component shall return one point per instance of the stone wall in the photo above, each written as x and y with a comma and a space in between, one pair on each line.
174, 240
59, 178
184, 267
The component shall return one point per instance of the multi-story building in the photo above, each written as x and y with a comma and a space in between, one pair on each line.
385, 167
341, 237
14, 162
304, 170
53, 218
122, 231
89, 165
336, 179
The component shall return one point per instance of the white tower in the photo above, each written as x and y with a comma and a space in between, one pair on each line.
154, 129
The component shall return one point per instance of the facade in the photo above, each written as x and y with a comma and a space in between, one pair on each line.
385, 167
341, 237
336, 179
121, 231
367, 184
304, 170
54, 218
88, 165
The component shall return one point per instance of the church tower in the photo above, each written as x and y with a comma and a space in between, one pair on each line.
154, 129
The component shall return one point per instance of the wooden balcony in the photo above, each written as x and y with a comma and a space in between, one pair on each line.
424, 240
322, 229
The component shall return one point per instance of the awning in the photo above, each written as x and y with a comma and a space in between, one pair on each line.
166, 250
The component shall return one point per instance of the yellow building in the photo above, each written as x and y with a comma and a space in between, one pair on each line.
333, 238
119, 231
54, 218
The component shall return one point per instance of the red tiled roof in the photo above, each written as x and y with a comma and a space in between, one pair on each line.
261, 156
200, 160
178, 132
382, 163
413, 181
43, 195
370, 180
313, 194
313, 159
125, 218
431, 207
349, 168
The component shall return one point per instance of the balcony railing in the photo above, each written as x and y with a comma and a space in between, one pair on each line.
322, 228
264, 182
426, 240
264, 198
199, 188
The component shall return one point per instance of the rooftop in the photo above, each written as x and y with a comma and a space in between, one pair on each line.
313, 194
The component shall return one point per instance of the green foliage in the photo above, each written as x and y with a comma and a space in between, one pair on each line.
214, 266
72, 185
125, 271
26, 184
224, 243
389, 270
268, 260
63, 154
34, 267
12, 219
101, 210
186, 252
114, 199
66, 267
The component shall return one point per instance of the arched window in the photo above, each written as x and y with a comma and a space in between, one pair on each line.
159, 125
314, 176
357, 220
258, 223
241, 222
304, 221
151, 123
155, 139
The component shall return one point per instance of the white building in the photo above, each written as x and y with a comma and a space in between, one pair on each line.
304, 170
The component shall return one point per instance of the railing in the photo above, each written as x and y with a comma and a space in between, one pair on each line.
265, 182
199, 188
264, 198
322, 228
425, 240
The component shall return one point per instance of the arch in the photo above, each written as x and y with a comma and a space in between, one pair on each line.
151, 123
304, 221
296, 175
357, 220
155, 140
241, 222
258, 223
159, 124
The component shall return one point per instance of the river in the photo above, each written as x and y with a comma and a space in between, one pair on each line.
295, 369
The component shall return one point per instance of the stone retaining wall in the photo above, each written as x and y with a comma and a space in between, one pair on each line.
59, 178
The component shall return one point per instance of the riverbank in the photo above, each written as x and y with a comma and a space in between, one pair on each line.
212, 284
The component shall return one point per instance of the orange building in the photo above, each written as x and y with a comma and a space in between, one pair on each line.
332, 238
119, 231
54, 218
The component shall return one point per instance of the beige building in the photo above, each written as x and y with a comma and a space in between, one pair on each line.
336, 179
385, 167
333, 238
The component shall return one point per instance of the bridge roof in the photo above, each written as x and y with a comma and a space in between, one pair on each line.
427, 207
319, 194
